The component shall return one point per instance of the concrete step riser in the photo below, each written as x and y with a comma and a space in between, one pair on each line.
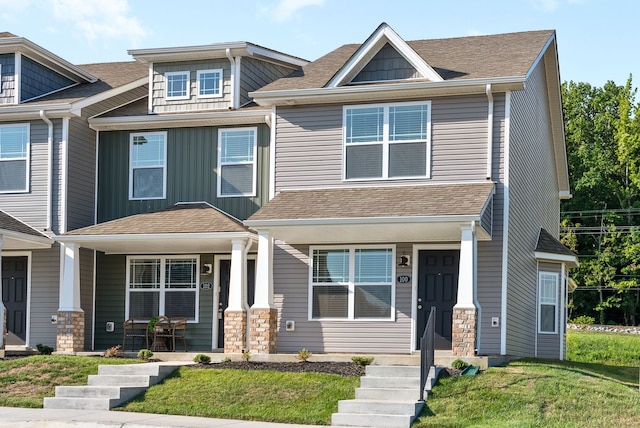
390, 382
148, 369
77, 403
384, 421
113, 392
117, 380
379, 407
393, 371
387, 394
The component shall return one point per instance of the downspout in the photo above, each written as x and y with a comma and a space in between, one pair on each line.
233, 103
489, 133
44, 117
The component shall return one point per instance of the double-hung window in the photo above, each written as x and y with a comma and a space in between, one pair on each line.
209, 83
237, 162
548, 302
14, 158
162, 286
177, 85
147, 165
387, 141
352, 283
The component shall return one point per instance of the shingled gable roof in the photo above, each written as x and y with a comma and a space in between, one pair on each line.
549, 248
19, 235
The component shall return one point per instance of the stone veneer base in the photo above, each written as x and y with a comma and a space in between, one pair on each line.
235, 332
463, 338
263, 329
70, 332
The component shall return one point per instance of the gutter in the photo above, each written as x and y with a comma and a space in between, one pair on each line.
489, 132
44, 117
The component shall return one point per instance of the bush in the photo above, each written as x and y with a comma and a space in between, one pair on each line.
202, 359
44, 349
145, 354
362, 361
459, 364
112, 352
583, 319
226, 360
246, 355
303, 355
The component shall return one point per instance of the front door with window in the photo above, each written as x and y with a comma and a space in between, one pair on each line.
437, 286
14, 297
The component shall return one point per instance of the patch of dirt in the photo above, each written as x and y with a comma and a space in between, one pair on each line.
337, 368
25, 389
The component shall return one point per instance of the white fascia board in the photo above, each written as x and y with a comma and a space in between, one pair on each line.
565, 194
32, 111
165, 237
572, 261
265, 224
389, 90
183, 53
232, 117
76, 108
277, 57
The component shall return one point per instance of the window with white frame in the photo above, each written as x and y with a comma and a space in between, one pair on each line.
209, 83
548, 302
14, 158
352, 283
147, 165
165, 285
177, 85
237, 161
387, 141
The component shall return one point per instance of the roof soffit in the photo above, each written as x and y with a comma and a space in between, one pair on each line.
381, 36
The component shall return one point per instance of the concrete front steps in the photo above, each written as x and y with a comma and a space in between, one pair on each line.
388, 397
111, 387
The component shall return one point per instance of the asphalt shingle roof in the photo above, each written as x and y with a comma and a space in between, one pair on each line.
548, 244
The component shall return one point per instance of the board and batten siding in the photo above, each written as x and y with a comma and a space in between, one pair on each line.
254, 74
8, 79
45, 291
162, 105
309, 145
534, 203
291, 298
191, 173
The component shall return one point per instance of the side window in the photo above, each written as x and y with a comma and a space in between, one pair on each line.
237, 162
14, 158
548, 302
147, 165
209, 83
177, 85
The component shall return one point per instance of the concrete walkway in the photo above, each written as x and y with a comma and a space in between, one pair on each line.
14, 417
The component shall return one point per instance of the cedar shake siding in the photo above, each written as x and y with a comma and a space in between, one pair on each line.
254, 74
37, 80
534, 203
7, 79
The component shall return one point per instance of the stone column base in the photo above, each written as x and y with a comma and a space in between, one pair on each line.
235, 332
263, 328
463, 338
70, 337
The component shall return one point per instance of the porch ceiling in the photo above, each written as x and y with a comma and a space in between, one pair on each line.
17, 235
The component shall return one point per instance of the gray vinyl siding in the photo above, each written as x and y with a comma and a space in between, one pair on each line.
291, 297
534, 203
45, 279
489, 258
110, 306
547, 344
191, 174
162, 105
37, 80
31, 207
7, 91
254, 74
309, 145
387, 64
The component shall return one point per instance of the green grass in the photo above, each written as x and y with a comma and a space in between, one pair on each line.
299, 398
615, 349
24, 382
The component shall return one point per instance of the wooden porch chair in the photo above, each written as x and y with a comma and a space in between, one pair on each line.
135, 329
162, 331
179, 332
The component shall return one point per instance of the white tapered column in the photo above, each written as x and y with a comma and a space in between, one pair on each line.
235, 316
263, 317
70, 326
465, 312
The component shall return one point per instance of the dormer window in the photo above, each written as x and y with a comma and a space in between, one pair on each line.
177, 85
209, 83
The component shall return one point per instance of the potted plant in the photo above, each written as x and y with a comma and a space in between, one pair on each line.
152, 323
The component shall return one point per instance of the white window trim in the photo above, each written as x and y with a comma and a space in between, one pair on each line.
26, 159
254, 162
166, 85
164, 166
220, 83
385, 141
161, 290
555, 312
350, 283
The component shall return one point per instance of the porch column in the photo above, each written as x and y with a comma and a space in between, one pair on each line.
465, 312
3, 311
235, 316
70, 326
263, 317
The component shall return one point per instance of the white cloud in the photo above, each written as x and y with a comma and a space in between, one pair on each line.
110, 19
285, 10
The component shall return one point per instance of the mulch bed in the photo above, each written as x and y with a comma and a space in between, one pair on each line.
337, 368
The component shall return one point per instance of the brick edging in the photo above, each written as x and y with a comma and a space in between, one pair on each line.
606, 328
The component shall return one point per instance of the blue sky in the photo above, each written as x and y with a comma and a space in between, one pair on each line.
596, 38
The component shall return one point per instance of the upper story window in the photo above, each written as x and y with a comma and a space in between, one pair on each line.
209, 83
177, 85
14, 158
147, 166
237, 162
548, 302
387, 141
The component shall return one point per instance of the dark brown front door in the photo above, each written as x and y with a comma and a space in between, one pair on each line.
437, 286
14, 295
